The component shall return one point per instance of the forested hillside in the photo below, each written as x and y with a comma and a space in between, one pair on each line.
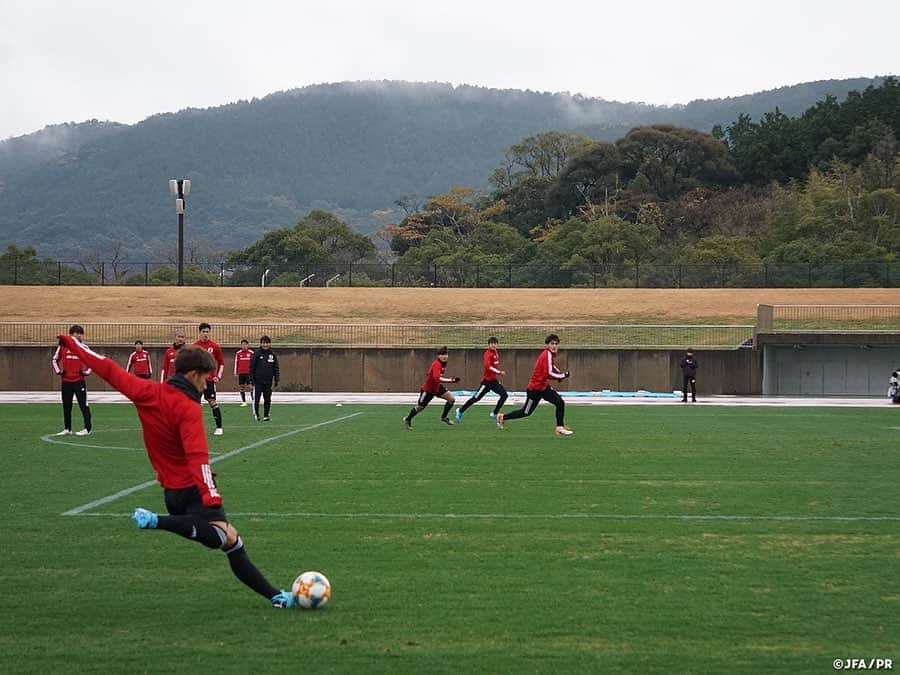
353, 149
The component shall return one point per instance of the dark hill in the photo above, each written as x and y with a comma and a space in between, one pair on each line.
351, 148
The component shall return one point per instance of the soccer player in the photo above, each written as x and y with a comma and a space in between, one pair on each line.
168, 363
489, 381
434, 386
172, 422
140, 361
539, 388
210, 393
69, 366
264, 374
242, 359
689, 367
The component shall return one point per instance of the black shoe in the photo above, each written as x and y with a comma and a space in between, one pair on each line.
684, 400
447, 421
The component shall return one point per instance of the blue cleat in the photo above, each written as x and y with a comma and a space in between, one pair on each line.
458, 415
146, 520
284, 600
494, 416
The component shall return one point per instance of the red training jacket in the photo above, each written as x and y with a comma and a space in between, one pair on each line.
140, 361
435, 377
242, 359
214, 349
172, 423
168, 364
491, 365
68, 364
544, 371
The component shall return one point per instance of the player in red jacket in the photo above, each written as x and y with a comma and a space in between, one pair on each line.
489, 381
434, 386
242, 359
167, 369
139, 361
172, 421
72, 371
210, 392
539, 388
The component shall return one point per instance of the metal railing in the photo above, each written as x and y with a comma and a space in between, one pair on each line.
845, 318
526, 275
396, 335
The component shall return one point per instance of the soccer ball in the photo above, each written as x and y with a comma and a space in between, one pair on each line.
312, 590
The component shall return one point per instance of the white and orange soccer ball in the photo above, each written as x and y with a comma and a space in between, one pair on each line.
312, 590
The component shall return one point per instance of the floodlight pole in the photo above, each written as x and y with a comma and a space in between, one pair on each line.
180, 187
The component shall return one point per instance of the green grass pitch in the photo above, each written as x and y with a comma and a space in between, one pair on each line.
657, 539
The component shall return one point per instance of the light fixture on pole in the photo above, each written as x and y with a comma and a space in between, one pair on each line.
179, 188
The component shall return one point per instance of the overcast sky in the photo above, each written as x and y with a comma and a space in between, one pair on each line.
124, 60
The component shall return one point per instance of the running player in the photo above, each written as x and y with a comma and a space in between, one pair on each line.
434, 386
489, 381
539, 388
172, 422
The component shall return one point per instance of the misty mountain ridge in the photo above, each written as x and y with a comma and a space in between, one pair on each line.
353, 148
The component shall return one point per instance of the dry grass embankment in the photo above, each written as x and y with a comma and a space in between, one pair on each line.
126, 304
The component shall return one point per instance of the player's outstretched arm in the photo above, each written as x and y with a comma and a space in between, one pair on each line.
133, 387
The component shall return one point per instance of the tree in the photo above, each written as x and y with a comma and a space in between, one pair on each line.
318, 237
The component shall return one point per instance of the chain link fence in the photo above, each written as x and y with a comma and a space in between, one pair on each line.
527, 275
829, 318
394, 335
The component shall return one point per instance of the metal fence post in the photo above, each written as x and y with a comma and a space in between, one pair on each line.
509, 276
434, 281
146, 274
637, 275
15, 272
350, 275
809, 275
102, 273
392, 275
59, 273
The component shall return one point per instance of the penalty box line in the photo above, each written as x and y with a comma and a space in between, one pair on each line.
80, 510
539, 516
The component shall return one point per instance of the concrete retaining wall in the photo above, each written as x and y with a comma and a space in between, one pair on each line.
403, 370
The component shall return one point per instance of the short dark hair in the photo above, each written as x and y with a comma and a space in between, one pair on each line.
204, 325
553, 337
194, 358
443, 350
75, 328
265, 338
245, 340
493, 341
689, 350
139, 342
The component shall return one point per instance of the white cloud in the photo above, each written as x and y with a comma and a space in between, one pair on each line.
124, 61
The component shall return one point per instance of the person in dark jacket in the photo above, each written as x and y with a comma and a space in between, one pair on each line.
689, 367
264, 375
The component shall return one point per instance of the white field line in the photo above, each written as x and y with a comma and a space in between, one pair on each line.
48, 438
80, 510
536, 516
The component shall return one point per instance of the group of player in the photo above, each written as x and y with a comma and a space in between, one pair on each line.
257, 372
539, 389
175, 438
